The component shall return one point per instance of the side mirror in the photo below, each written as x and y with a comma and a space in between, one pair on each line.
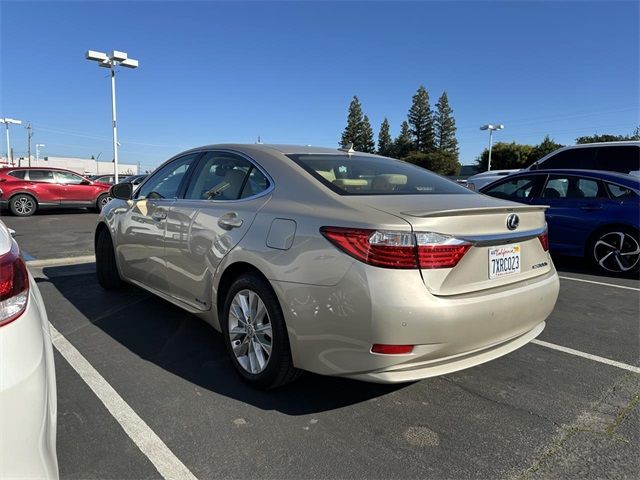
85, 182
123, 191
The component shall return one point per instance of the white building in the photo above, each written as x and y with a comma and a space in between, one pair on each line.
82, 166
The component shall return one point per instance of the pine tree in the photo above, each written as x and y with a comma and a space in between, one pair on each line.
366, 142
444, 127
352, 132
403, 144
421, 120
385, 144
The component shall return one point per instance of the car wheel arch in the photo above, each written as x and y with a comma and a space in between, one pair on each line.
25, 192
230, 273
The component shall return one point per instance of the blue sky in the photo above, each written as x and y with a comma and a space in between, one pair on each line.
227, 72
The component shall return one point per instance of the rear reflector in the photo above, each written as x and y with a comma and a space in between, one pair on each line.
391, 349
544, 240
14, 286
401, 250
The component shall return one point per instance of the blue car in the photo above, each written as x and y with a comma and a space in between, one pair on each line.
593, 214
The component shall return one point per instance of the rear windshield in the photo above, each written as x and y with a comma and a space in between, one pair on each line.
367, 175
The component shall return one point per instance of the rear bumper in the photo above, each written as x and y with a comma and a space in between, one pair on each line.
28, 395
332, 329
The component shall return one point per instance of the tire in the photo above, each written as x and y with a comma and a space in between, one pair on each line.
268, 330
616, 250
101, 202
23, 205
106, 267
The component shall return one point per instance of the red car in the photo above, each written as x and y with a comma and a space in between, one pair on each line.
25, 190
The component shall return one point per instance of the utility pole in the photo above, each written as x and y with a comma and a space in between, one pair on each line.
29, 135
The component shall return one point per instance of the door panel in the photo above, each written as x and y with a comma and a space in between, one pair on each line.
44, 184
73, 190
142, 230
223, 197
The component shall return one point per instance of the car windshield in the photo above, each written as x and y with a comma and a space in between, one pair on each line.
369, 175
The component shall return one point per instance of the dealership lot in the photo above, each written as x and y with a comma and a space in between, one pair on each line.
544, 411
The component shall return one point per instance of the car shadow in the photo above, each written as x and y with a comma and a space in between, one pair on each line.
565, 264
185, 345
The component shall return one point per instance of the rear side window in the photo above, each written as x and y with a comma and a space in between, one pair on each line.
225, 176
367, 175
620, 193
572, 188
41, 176
516, 189
18, 174
623, 159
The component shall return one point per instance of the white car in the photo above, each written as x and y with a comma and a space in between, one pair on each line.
476, 182
28, 405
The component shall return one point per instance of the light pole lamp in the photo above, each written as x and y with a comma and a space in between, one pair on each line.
38, 145
111, 61
491, 129
7, 122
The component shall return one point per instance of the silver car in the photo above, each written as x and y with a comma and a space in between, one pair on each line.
332, 261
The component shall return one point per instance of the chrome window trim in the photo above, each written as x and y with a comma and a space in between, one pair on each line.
501, 238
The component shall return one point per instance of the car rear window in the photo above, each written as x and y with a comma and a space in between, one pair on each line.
369, 175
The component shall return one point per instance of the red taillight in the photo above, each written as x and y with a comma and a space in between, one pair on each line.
14, 286
403, 250
544, 240
391, 349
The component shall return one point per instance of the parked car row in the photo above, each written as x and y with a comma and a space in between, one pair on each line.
24, 190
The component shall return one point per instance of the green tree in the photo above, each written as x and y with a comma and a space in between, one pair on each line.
421, 120
609, 137
444, 127
506, 156
545, 147
366, 142
352, 132
443, 163
403, 145
385, 143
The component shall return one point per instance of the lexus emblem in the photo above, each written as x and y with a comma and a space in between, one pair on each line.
513, 221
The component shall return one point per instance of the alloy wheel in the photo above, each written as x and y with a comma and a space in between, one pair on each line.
24, 205
250, 331
617, 252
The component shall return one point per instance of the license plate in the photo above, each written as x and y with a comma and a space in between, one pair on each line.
504, 261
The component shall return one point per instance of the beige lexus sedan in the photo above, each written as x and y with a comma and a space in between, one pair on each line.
332, 261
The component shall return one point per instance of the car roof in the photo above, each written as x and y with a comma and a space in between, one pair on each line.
615, 177
270, 148
41, 168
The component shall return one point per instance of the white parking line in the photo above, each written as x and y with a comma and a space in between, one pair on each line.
601, 283
59, 262
595, 358
167, 464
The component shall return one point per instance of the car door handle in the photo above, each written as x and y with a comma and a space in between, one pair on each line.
229, 221
159, 215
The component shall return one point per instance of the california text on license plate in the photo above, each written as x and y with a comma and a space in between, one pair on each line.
504, 260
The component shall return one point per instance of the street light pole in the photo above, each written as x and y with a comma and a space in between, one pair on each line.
491, 129
113, 118
7, 122
111, 61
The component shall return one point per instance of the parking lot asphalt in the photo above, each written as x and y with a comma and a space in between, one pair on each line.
535, 413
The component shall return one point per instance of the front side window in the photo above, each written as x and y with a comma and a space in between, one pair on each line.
165, 183
41, 176
572, 187
69, 178
367, 175
225, 176
516, 189
573, 158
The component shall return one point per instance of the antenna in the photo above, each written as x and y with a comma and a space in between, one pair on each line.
348, 148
